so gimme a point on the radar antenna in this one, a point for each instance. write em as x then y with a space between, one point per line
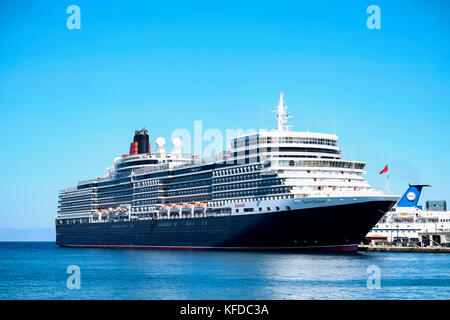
282 115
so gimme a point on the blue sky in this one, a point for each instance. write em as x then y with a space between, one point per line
70 100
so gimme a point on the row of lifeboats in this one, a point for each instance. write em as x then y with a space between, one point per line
123 211
183 205
120 210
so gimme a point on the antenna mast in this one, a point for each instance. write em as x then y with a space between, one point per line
282 115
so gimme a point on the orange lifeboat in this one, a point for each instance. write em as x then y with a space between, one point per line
200 204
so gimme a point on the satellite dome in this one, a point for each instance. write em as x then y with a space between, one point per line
176 146
177 142
160 142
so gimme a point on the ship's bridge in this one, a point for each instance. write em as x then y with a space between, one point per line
284 143
287 144
310 164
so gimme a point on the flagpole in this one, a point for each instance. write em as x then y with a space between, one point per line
387 184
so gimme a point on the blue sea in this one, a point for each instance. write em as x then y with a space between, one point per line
38 270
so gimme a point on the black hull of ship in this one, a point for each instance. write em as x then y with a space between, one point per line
333 228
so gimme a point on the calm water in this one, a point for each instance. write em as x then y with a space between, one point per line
38 271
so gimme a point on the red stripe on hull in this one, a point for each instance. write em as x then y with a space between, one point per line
342 248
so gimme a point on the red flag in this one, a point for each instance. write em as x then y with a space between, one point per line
384 170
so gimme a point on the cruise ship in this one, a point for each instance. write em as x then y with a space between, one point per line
270 190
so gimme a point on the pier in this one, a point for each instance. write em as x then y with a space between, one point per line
387 248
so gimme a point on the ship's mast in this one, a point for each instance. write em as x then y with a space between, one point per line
282 115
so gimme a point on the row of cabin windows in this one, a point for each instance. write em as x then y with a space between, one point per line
116 200
76 209
73 221
237 178
320 163
146 195
114 194
188 178
247 185
194 198
74 193
76 198
146 202
71 204
275 197
146 189
122 187
246 169
187 192
297 140
261 209
255 192
185 185
146 183
172 183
